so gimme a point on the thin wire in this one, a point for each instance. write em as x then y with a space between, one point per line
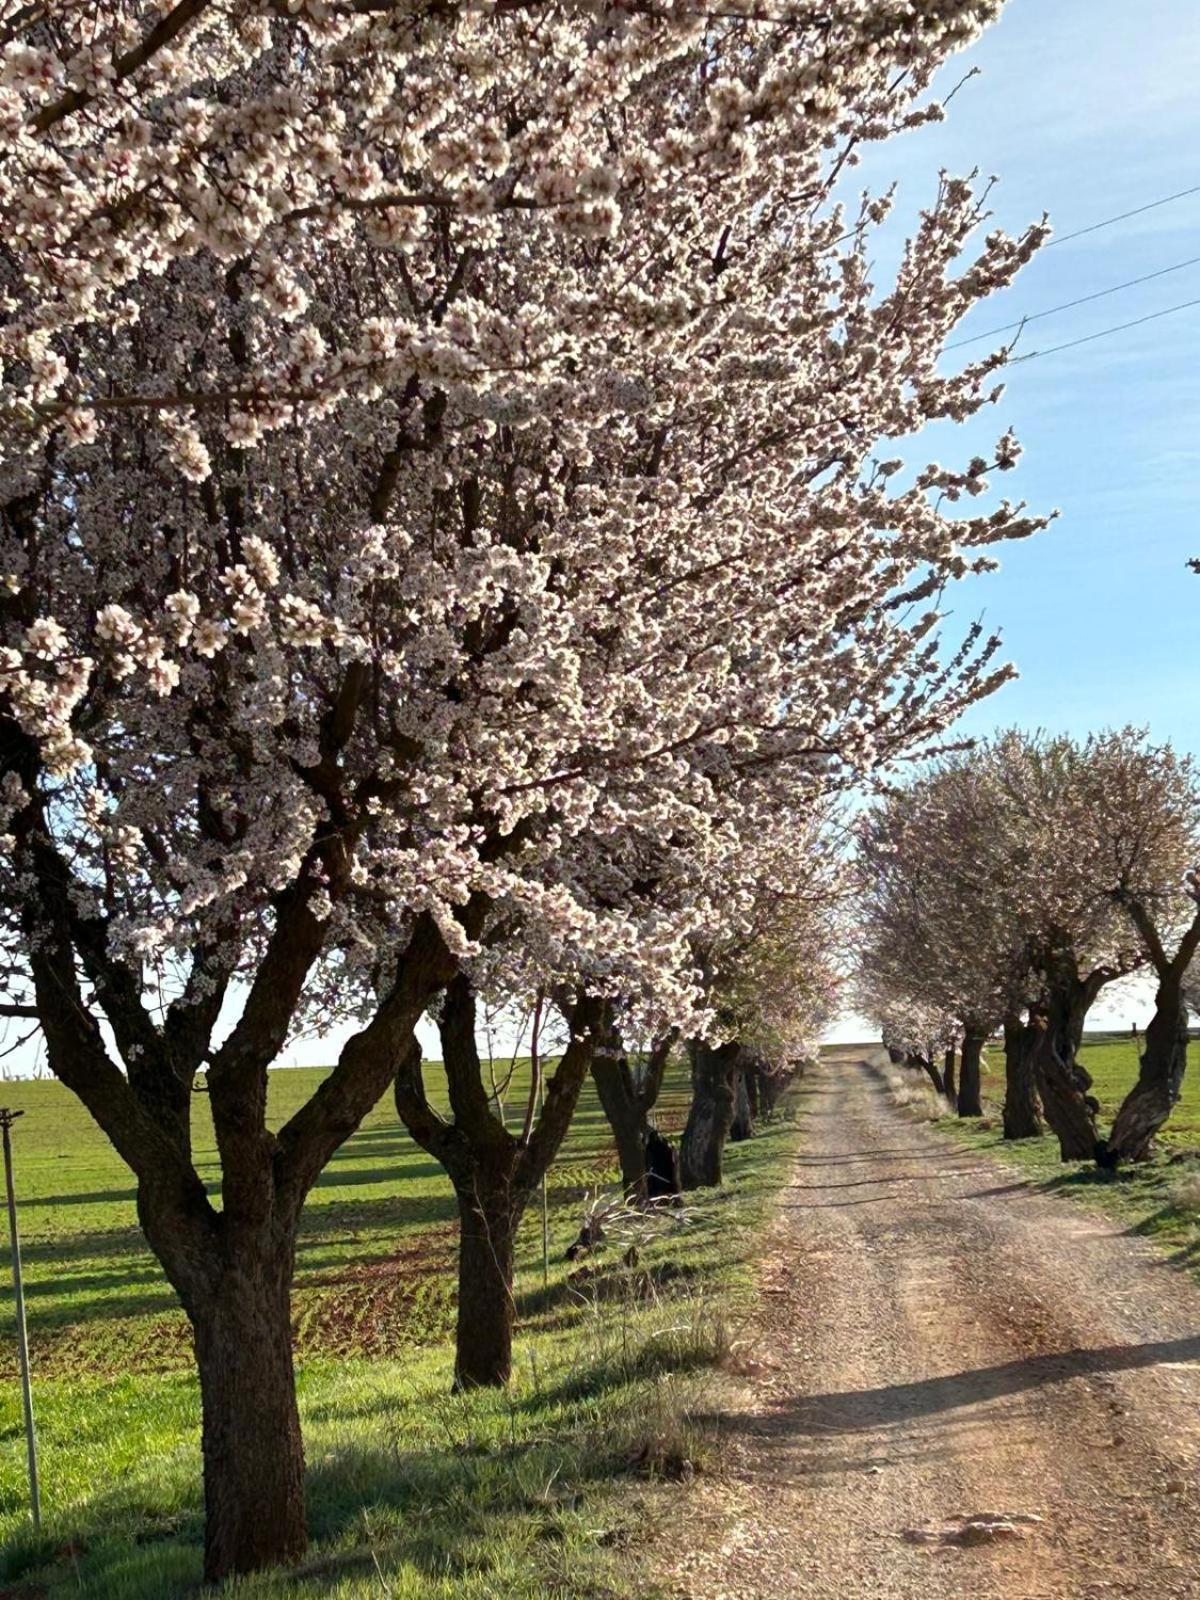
1104 332
1136 212
1083 299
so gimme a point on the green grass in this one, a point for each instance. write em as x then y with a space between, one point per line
378 1235
1159 1198
411 1492
1112 1060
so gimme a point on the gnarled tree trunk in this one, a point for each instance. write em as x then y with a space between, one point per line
231 1266
494 1172
232 1270
1022 1118
742 1126
711 1113
1062 1083
970 1103
1164 1057
1160 1077
949 1087
928 1066
771 1086
627 1099
618 1098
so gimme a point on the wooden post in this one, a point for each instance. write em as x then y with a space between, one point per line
7 1118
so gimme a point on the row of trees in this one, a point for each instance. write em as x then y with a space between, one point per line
770 986
448 558
1006 888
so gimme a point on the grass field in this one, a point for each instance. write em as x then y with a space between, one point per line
1159 1198
378 1235
1112 1060
411 1492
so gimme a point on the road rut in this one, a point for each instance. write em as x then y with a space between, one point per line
938 1339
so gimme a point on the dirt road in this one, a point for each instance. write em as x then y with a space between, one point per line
941 1341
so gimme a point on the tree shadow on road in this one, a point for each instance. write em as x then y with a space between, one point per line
853 1410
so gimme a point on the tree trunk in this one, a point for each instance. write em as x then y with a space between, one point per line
232 1267
742 1126
493 1172
489 1213
253 1452
710 1115
949 1088
628 1099
626 1118
926 1065
1022 1119
1160 1077
970 1103
770 1086
1063 1085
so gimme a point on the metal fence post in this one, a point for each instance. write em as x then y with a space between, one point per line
7 1118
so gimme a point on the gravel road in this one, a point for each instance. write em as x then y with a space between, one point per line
940 1341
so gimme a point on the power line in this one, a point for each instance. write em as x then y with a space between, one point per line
1181 194
1083 299
1104 332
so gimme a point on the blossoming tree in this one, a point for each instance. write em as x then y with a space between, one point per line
1025 876
433 434
939 912
771 974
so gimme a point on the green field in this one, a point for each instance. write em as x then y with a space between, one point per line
378 1236
1112 1060
1159 1198
412 1492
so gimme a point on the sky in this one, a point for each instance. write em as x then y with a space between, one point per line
1084 109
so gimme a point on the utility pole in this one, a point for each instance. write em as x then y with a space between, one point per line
7 1118
545 1209
535 1067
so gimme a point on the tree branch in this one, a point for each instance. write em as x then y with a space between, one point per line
164 32
366 1066
584 1016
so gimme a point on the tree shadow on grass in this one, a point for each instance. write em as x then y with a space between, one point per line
340 1171
93 1197
1093 1177
447 1508
75 1283
404 1170
606 1283
399 1210
1129 1181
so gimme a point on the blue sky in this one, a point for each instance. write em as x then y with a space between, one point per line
1087 108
